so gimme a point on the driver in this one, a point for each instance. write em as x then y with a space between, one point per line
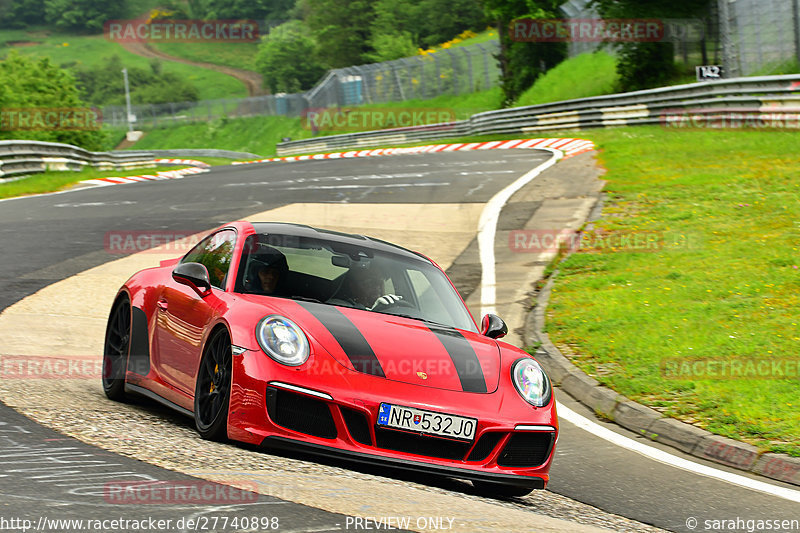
363 289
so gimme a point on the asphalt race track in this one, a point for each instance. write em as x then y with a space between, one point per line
50 238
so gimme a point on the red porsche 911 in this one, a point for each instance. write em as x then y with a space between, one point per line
283 335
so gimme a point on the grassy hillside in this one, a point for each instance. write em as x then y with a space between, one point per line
590 74
257 135
76 51
260 135
238 55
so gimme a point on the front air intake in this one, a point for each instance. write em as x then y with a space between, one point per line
300 413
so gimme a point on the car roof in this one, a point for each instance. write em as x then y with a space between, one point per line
302 230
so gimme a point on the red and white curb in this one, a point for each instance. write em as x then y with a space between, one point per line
162 175
192 162
570 147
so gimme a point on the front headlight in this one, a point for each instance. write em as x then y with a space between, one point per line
283 340
531 382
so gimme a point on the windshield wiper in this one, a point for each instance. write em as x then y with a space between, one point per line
306 299
427 321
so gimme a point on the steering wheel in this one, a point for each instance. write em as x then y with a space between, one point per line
396 303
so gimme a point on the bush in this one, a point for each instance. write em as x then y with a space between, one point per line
105 85
287 59
82 15
30 84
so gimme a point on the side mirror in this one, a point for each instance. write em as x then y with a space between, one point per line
493 326
194 275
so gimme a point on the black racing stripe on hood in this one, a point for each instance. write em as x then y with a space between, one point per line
464 358
348 336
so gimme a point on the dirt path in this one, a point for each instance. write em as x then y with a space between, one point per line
250 79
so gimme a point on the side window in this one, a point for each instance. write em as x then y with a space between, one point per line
215 252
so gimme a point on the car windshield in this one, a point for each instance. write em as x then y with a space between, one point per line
347 275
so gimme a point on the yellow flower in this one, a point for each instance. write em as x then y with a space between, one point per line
64 44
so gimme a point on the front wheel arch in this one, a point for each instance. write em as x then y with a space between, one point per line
116 348
213 385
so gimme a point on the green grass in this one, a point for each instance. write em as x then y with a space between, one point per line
52 181
582 76
260 135
257 135
91 51
773 69
732 295
238 55
483 37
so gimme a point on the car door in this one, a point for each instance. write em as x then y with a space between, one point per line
184 315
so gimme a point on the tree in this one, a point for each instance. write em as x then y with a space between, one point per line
20 13
441 20
248 9
522 62
341 28
426 22
34 87
82 15
389 46
648 64
286 59
104 85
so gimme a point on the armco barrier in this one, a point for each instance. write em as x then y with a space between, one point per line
767 95
28 157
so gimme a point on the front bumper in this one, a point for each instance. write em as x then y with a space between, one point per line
335 413
404 464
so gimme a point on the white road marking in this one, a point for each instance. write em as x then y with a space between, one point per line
365 186
661 456
329 178
96 204
487 228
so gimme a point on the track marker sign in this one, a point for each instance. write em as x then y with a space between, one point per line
709 72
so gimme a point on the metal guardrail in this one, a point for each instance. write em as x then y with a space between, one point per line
767 95
29 157
201 152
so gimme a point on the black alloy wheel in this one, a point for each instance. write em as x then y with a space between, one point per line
213 390
115 352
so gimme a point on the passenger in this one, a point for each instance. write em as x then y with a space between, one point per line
267 272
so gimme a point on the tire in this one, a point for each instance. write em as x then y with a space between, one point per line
213 389
495 490
116 348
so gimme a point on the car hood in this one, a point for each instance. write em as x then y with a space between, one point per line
403 349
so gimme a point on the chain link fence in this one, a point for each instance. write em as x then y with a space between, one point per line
457 70
759 36
749 37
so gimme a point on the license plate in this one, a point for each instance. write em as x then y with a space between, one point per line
430 422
